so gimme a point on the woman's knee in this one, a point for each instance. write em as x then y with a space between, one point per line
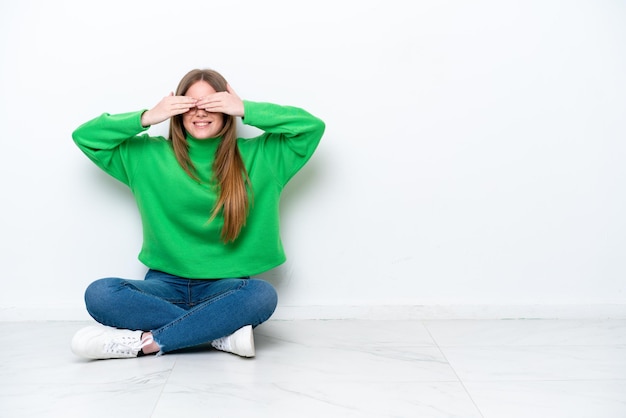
265 294
99 295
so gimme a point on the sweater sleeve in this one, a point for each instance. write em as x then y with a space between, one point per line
290 137
105 141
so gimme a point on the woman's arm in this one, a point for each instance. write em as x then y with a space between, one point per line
291 136
106 139
102 138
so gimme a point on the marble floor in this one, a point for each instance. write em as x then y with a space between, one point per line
334 368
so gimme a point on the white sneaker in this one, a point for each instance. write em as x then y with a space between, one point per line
102 342
241 342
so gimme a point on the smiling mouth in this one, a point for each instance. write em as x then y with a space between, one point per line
202 124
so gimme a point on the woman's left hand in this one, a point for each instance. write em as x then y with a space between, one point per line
222 102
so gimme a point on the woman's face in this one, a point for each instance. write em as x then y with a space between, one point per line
198 122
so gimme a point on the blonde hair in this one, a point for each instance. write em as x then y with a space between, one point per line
229 172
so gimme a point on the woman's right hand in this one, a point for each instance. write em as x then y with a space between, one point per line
169 106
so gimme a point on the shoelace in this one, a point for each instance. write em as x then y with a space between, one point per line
126 345
221 343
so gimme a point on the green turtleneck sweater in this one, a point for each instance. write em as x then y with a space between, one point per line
174 208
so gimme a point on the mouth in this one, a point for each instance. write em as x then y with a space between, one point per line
202 124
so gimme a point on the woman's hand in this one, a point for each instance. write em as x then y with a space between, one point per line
168 106
222 102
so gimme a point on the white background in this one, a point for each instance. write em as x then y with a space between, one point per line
474 151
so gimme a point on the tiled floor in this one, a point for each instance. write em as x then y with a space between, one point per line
348 368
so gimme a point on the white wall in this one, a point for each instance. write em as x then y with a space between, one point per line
474 152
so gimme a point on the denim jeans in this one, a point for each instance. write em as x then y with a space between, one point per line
180 312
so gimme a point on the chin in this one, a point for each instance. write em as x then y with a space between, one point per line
202 135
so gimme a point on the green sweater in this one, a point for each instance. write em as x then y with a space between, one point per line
174 208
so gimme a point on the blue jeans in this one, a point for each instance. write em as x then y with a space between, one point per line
180 312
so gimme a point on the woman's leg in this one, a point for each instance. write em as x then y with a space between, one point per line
217 308
136 304
180 312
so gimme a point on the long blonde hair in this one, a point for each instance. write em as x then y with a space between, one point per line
229 172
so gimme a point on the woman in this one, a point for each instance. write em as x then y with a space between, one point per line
209 208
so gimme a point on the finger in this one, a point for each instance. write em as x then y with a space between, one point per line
211 98
182 107
186 99
213 104
183 104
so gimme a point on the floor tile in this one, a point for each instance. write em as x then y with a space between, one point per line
341 368
528 332
301 398
278 360
351 333
553 399
537 362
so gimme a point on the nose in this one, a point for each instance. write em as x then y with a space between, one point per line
194 110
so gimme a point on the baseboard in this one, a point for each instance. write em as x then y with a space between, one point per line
372 312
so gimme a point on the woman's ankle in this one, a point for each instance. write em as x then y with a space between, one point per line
152 347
